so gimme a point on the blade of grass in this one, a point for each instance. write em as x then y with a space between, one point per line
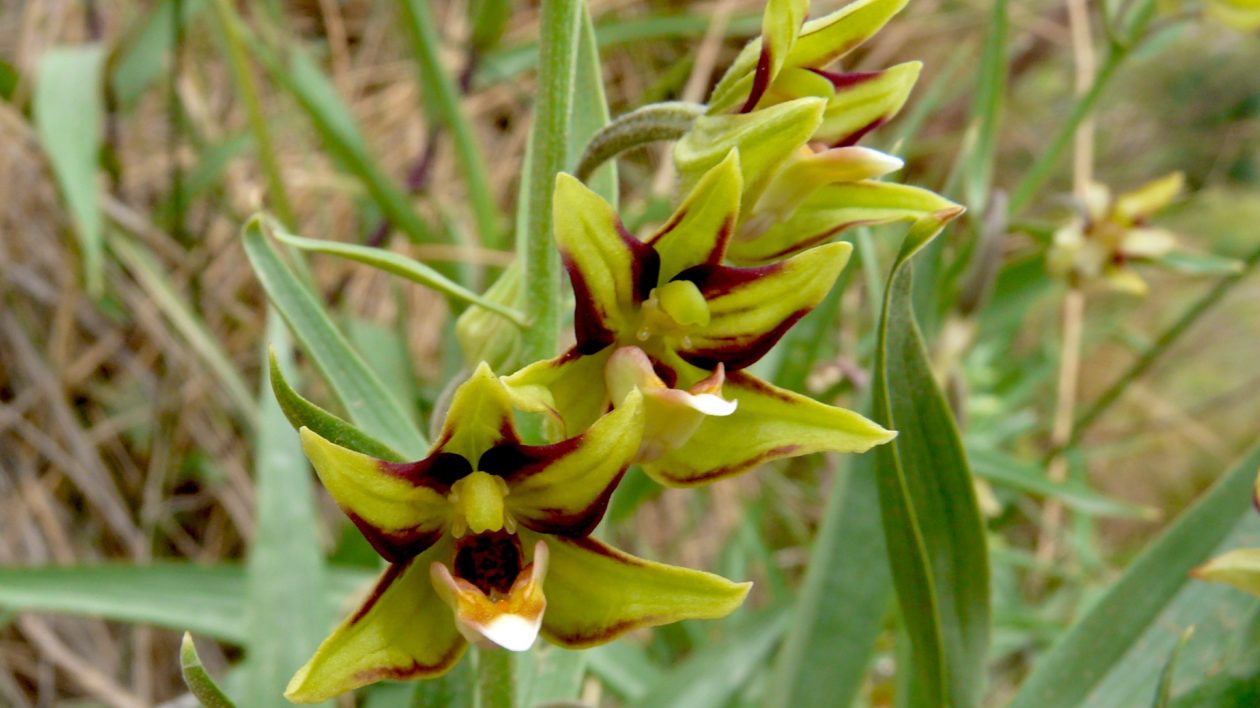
69 116
548 155
287 616
153 280
1000 468
624 668
1090 650
199 683
141 59
590 108
932 523
369 403
443 97
398 264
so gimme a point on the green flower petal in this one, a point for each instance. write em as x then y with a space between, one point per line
403 631
864 101
611 270
751 308
698 231
780 24
395 506
764 138
832 209
1239 568
828 38
569 389
564 488
596 593
770 423
479 418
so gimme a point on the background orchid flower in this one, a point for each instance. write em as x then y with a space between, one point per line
1243 15
806 180
1102 243
487 543
698 323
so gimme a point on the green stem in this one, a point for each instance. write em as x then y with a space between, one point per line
1046 162
229 24
1165 340
557 65
441 90
651 123
495 685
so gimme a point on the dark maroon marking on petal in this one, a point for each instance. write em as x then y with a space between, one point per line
607 634
853 138
715 254
646 264
747 380
744 352
577 524
588 322
848 79
666 372
416 669
820 237
391 574
490 561
729 470
761 80
437 472
717 280
395 546
670 225
515 461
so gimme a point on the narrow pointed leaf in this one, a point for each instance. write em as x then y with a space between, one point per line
932 522
197 679
369 403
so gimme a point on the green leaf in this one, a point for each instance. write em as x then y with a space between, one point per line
624 668
141 60
840 613
1115 649
400 265
590 108
199 683
1163 695
206 600
1003 469
549 674
69 115
932 523
285 608
370 405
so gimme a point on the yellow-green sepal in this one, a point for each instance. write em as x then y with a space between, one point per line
568 389
862 102
769 423
700 228
596 593
764 138
479 418
402 631
826 39
831 209
751 308
399 516
565 487
610 270
1239 568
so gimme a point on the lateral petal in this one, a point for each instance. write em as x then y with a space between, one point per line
864 101
770 423
611 271
400 508
751 308
403 631
564 488
568 389
596 593
698 231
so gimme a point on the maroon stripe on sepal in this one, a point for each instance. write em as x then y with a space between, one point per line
437 472
578 524
717 280
395 546
741 352
852 138
646 266
588 322
761 80
844 80
391 574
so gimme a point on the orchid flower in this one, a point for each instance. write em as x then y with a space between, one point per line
796 124
487 542
664 317
1102 243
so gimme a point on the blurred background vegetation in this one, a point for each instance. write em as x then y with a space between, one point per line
127 411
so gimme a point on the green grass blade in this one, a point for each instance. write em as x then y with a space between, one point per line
369 403
69 117
840 613
443 97
142 58
398 264
153 280
624 668
317 97
932 523
1000 468
1093 651
986 112
208 601
199 683
590 109
285 608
